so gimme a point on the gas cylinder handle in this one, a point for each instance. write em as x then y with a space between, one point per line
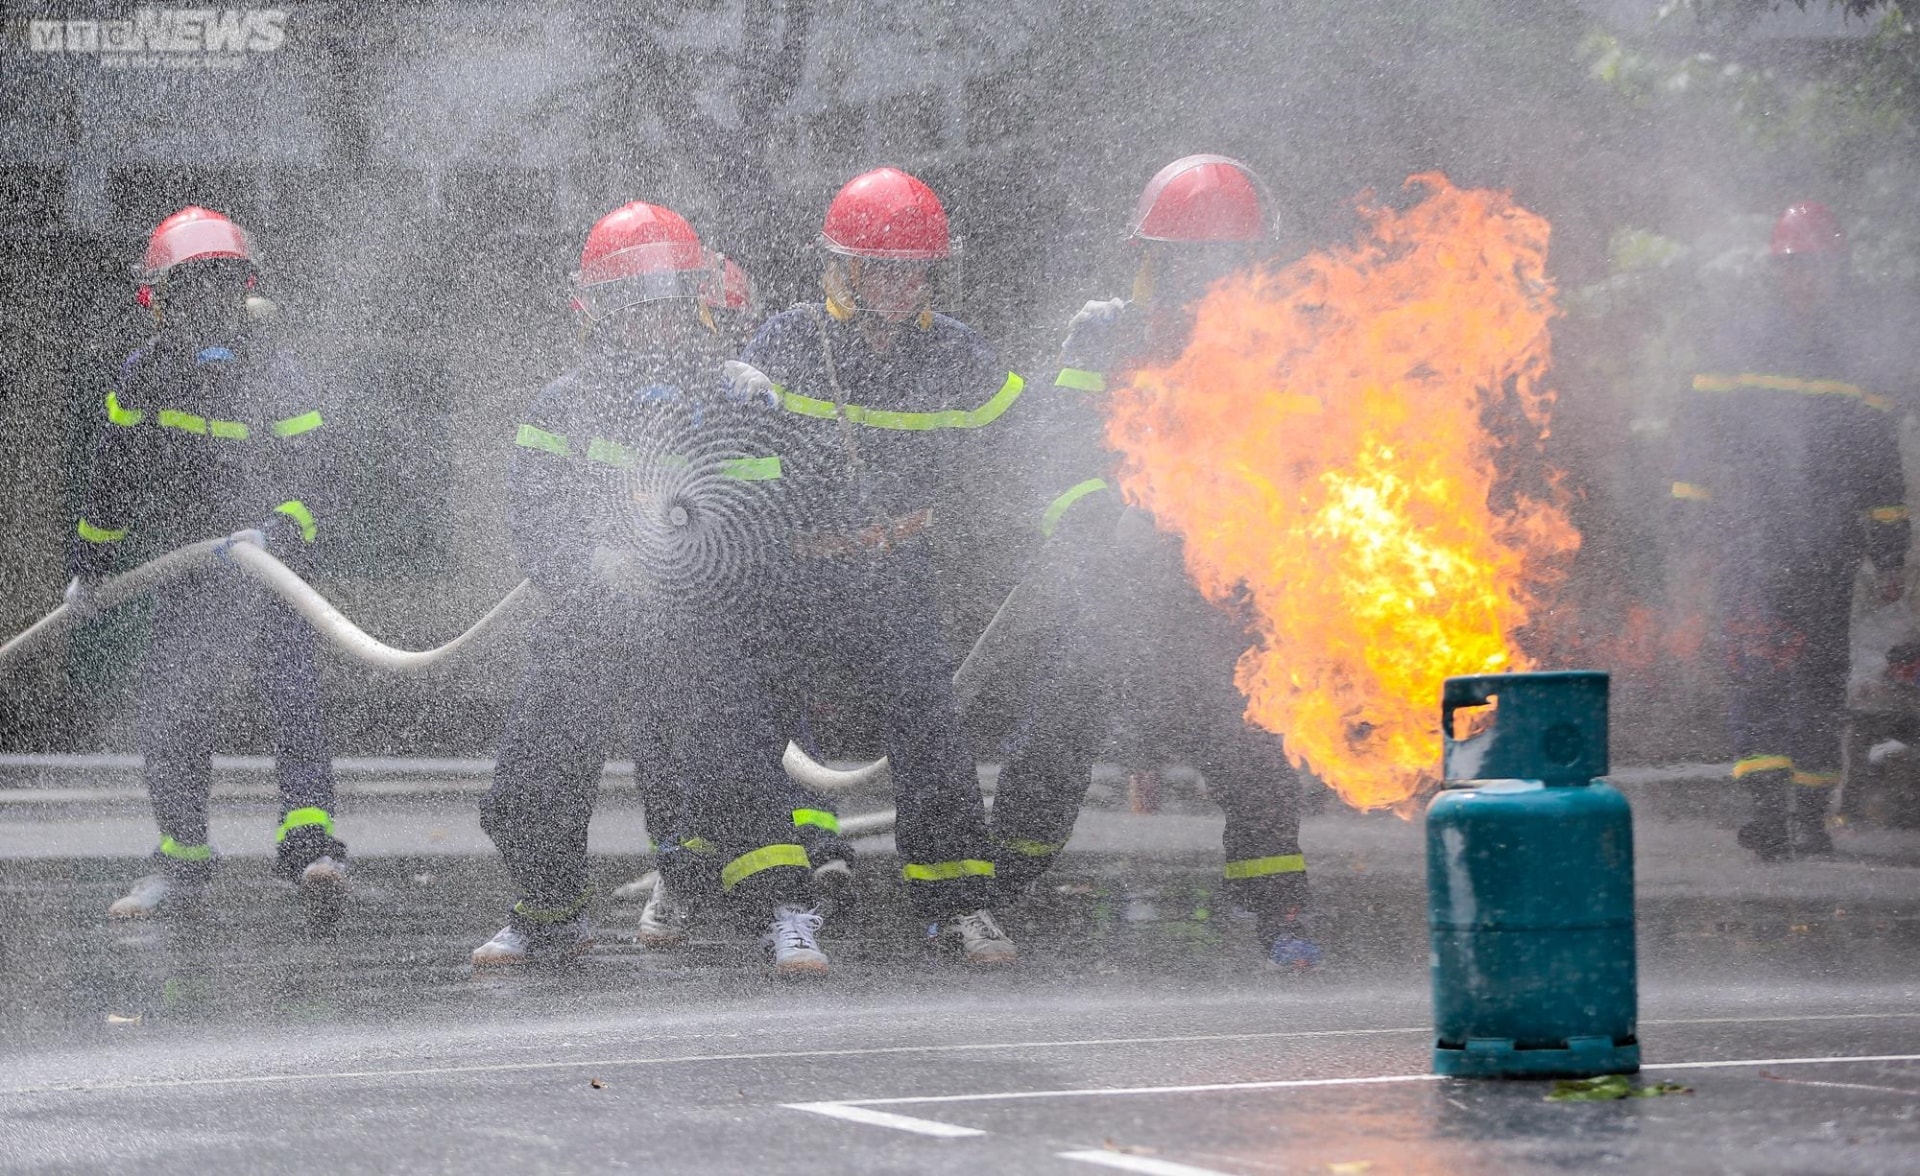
1469 691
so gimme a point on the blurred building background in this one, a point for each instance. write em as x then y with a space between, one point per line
419 177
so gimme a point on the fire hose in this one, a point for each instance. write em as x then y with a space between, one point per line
340 632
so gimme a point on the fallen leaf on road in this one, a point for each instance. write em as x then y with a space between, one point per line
1609 1088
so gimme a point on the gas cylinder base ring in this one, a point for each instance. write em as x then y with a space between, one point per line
1499 1057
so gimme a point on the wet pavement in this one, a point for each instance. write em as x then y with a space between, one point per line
1137 1033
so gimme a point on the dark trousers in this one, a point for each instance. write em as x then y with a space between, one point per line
600 671
205 629
876 612
1132 634
1785 637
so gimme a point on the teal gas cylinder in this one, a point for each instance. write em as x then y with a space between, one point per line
1530 886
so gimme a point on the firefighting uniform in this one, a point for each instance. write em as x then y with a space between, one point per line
1134 636
878 440
196 441
609 660
1788 477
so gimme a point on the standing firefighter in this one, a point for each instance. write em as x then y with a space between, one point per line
593 490
1128 629
210 429
884 399
1790 477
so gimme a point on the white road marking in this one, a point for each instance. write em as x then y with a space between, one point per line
1781 1062
1842 1085
1130 1163
772 1055
1305 1083
885 1119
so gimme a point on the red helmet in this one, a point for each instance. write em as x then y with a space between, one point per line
193 234
1809 227
887 215
639 253
1201 198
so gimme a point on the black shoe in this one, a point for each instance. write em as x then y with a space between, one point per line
1810 836
303 847
1766 839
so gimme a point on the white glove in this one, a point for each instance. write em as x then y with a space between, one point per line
253 535
747 384
1100 313
78 592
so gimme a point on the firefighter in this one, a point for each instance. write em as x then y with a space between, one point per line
1129 631
585 494
211 429
1789 478
882 397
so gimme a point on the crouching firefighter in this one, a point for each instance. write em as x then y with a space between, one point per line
884 398
611 648
1789 479
210 429
1127 629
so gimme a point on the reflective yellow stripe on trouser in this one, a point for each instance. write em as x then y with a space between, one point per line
818 818
767 857
185 853
946 871
302 817
1815 779
1027 848
1286 863
93 534
554 914
1762 763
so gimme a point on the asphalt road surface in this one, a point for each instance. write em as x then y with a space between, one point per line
1137 1034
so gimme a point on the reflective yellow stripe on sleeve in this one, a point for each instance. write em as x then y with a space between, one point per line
126 418
946 871
1058 508
186 422
231 430
817 818
767 857
306 422
1888 514
532 437
1762 763
298 512
601 450
1692 492
1286 863
752 469
300 818
886 418
1770 382
1081 380
1815 779
93 534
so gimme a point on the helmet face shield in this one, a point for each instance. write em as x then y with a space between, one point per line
641 274
894 289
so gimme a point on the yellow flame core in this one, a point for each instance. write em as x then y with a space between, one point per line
1322 442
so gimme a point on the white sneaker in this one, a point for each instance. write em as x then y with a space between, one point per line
638 888
145 898
513 946
790 942
982 941
664 920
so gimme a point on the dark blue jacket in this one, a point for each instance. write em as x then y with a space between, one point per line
194 442
1788 452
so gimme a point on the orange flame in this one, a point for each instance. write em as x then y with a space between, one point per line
1321 445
